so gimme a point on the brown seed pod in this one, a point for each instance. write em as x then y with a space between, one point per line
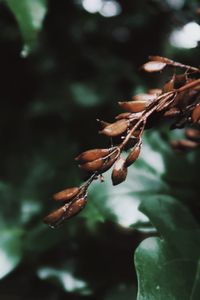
119 172
192 134
91 155
156 92
161 59
169 86
102 123
144 97
180 80
66 194
75 207
196 114
133 155
109 161
172 112
115 128
92 166
55 217
125 115
154 66
134 106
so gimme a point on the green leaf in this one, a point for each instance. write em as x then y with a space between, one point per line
167 266
10 250
29 15
161 273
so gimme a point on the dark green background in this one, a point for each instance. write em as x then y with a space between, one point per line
81 65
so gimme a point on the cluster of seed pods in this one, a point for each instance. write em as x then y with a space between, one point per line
178 100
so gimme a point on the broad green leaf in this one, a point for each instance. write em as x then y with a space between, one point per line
10 250
29 15
167 266
162 274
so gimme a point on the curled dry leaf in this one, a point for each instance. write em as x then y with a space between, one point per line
134 106
196 114
66 194
91 155
115 128
119 172
133 155
154 66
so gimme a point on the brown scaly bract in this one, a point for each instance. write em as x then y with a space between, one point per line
178 100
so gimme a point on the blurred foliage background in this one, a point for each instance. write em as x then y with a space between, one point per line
63 64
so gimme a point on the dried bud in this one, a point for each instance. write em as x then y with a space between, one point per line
75 207
156 92
116 128
180 79
169 86
144 97
92 166
110 160
119 172
134 106
133 155
66 194
161 59
196 114
91 155
154 66
193 134
102 123
125 115
172 112
56 217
